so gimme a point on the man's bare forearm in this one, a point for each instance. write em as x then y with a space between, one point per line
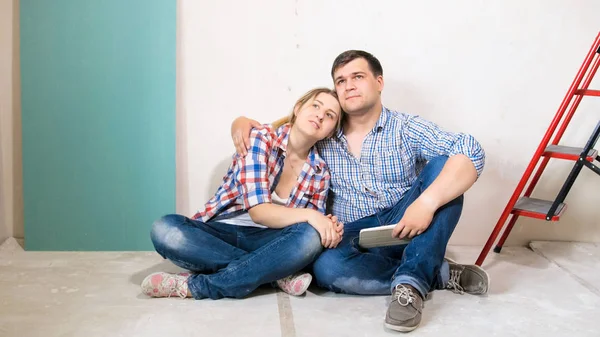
457 176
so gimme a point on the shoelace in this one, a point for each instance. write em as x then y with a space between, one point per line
285 283
403 293
454 282
177 285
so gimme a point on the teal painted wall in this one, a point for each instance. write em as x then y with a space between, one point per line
98 116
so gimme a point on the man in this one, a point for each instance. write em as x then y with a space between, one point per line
392 168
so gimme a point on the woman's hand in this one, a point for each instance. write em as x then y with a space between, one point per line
328 229
339 225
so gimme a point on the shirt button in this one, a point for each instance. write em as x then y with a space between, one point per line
370 192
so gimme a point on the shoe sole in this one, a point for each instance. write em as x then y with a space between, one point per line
305 288
489 279
400 328
302 290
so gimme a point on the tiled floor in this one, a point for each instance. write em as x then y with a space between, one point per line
550 291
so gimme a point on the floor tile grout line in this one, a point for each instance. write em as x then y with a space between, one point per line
577 278
286 316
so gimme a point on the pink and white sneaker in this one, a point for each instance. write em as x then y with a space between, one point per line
295 284
166 285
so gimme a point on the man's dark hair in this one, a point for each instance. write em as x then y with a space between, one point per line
351 55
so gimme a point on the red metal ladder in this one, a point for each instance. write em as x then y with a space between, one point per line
551 210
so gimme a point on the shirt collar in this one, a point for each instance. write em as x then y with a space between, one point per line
381 122
383 118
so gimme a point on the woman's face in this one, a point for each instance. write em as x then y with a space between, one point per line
319 116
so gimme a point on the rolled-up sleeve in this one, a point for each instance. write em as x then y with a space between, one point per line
428 140
319 199
252 176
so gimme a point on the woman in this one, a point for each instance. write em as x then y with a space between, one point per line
265 222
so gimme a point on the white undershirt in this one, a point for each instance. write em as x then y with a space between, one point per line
244 219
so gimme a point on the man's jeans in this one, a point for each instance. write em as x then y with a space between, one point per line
232 261
376 271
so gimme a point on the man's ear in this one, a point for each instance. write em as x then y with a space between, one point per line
380 82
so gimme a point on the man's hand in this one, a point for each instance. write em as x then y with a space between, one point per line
240 133
416 219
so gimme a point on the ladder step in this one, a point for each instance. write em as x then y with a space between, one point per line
587 92
537 208
568 152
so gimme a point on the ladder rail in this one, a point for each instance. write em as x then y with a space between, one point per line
565 189
595 49
592 167
591 143
575 171
586 83
567 120
509 227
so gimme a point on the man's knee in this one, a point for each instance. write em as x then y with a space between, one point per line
339 270
327 268
434 166
460 199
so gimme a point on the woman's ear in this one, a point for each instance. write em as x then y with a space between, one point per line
297 108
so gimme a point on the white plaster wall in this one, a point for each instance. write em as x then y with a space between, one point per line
497 70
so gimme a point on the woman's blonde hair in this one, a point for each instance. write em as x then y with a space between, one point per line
311 94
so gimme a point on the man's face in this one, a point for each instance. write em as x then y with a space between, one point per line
358 89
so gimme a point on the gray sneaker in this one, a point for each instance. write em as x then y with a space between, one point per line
470 279
404 312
